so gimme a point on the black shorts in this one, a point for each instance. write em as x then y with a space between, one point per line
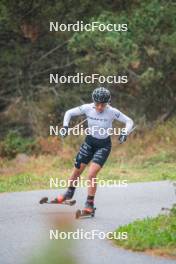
93 149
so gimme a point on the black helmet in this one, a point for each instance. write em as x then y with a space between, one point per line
101 95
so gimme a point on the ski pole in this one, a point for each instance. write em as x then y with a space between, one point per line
70 129
134 128
82 122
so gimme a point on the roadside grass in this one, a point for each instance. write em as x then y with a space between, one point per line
146 156
34 174
155 236
37 172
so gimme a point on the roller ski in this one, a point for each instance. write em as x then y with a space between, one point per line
61 199
88 211
45 200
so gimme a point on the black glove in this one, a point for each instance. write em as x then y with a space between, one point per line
64 131
122 138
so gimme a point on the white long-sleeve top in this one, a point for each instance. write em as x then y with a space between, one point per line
99 120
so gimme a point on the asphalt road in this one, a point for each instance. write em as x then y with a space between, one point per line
25 224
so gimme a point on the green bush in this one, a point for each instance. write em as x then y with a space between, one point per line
14 143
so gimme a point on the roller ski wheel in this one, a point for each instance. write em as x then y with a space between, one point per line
58 200
85 213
